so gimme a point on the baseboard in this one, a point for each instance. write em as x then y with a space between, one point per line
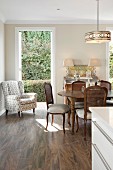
2 112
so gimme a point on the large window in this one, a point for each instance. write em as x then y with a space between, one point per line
29 63
36 55
110 59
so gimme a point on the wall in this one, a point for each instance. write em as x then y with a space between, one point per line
2 71
69 40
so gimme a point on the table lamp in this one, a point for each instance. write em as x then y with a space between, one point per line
68 63
95 62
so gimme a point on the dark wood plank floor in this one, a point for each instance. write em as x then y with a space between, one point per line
25 145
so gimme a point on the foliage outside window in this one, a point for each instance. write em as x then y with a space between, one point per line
36 60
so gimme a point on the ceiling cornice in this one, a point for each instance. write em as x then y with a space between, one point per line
79 21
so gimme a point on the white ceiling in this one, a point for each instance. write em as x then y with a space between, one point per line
46 11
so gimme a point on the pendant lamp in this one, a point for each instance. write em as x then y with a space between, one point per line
98 36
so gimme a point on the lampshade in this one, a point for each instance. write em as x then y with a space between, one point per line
94 62
68 62
98 36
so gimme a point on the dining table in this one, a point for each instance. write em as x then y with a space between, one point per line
73 95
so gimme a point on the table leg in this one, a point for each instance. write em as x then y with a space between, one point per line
73 113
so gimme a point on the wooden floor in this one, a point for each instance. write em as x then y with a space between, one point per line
25 145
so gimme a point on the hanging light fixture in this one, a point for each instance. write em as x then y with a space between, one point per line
98 36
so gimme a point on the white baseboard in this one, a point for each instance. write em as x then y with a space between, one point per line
2 112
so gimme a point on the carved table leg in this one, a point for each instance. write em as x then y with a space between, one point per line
73 113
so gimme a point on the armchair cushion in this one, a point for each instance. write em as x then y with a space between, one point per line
27 100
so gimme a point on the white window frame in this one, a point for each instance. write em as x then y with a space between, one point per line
17 53
107 56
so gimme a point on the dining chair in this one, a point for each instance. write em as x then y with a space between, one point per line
104 83
79 86
107 84
79 103
54 109
94 96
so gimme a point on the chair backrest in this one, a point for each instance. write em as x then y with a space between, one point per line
68 87
94 96
106 84
48 94
12 87
77 85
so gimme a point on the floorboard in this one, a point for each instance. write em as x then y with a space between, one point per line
25 145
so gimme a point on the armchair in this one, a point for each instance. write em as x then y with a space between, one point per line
15 98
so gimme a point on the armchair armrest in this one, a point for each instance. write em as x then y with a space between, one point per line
29 95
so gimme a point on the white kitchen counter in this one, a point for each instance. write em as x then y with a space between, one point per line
105 114
102 138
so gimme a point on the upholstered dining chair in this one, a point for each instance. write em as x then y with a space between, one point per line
107 84
79 103
54 109
104 83
94 96
15 98
79 86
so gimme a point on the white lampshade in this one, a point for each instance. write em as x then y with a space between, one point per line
68 62
94 62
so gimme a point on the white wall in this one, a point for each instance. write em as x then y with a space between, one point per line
2 71
69 44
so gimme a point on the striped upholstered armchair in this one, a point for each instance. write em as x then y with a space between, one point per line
15 98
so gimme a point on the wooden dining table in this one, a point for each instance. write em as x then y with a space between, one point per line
73 95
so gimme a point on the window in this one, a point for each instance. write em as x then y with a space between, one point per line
18 64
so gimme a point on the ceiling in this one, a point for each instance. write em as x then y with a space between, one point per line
55 11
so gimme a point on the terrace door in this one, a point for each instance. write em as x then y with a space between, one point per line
36 59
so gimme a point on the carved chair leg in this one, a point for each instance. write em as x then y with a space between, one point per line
69 119
33 110
85 122
19 114
6 112
52 119
64 123
47 120
77 123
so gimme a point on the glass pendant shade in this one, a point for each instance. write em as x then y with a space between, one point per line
98 36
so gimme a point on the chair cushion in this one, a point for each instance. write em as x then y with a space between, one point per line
80 113
109 102
27 100
58 108
79 105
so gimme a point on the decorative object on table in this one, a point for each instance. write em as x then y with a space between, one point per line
77 76
68 63
98 36
88 76
15 98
